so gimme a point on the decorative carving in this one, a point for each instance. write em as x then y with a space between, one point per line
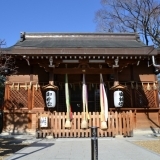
116 63
51 62
83 65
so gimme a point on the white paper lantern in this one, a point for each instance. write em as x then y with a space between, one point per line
50 99
118 98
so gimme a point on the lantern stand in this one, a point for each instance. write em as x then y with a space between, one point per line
118 94
50 95
50 88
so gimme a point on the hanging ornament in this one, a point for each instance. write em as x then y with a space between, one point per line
143 86
118 98
30 85
50 98
50 94
84 123
26 87
18 87
148 87
118 94
36 86
12 87
103 104
68 122
154 86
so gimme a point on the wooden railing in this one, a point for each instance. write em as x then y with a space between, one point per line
119 123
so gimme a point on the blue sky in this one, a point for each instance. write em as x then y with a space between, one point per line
46 16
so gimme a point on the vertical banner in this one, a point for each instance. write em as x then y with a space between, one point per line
103 104
84 123
69 114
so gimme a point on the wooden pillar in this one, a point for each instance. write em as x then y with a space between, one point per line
29 108
6 92
30 100
156 98
132 90
6 96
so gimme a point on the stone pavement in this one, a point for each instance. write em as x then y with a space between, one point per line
80 149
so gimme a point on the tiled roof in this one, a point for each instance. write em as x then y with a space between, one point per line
79 40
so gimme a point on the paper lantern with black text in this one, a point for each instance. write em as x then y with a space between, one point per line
118 98
50 99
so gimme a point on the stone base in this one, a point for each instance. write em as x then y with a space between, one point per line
119 136
49 137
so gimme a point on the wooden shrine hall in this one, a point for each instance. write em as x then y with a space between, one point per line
68 82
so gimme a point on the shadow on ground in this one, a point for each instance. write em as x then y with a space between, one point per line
8 146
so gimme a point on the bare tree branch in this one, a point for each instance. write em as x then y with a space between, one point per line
7 62
141 16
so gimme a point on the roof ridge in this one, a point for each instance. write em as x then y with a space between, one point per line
29 35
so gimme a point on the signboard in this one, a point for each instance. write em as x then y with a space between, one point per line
44 122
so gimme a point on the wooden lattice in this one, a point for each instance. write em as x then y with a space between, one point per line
38 99
150 97
18 98
127 97
144 97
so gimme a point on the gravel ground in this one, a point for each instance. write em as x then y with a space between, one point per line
152 145
10 146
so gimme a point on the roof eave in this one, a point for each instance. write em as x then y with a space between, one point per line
148 50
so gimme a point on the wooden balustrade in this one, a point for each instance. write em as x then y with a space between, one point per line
119 123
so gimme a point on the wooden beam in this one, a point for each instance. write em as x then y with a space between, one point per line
84 51
30 108
81 71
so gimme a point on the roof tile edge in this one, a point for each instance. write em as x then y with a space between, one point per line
27 35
